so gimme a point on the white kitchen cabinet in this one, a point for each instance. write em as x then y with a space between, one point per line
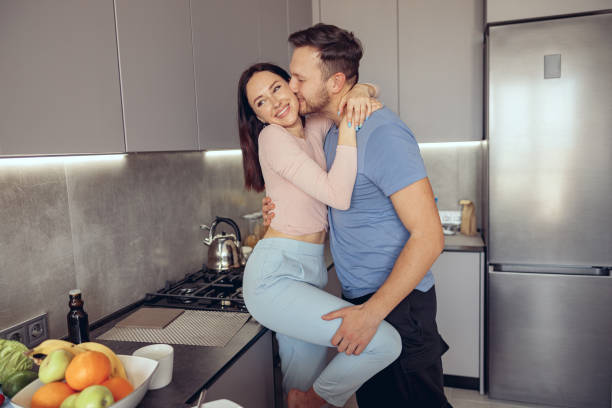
228 36
459 289
504 10
273 32
157 76
225 42
89 77
59 78
426 56
375 24
278 19
249 381
441 68
300 15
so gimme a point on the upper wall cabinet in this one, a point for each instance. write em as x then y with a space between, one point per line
426 56
300 15
441 68
229 36
375 24
225 42
157 75
59 79
146 75
504 10
273 31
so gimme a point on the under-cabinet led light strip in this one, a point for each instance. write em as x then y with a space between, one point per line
35 161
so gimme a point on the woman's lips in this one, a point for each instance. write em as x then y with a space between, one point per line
283 112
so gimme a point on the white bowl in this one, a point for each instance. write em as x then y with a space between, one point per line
139 371
222 403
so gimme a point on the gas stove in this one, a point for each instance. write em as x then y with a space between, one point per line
203 290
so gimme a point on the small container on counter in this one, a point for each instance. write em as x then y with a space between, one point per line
256 229
468 218
78 321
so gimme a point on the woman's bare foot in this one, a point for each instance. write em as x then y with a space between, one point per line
301 399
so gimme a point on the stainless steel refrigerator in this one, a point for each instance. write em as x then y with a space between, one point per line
549 131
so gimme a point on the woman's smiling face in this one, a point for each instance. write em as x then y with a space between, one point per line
272 100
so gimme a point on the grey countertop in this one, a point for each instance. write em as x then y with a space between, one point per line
463 243
195 367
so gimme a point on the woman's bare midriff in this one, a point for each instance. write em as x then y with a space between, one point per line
314 238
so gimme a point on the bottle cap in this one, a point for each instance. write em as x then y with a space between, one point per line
74 292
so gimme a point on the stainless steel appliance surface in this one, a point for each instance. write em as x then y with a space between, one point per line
203 290
549 131
224 251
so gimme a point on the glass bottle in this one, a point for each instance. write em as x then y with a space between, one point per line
78 322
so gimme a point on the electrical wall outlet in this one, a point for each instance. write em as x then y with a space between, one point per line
37 330
31 332
17 333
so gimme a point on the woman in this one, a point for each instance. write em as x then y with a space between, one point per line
284 277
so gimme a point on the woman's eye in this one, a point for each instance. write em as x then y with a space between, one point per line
276 88
259 103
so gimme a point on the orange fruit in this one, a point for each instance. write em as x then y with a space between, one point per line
51 395
88 368
120 387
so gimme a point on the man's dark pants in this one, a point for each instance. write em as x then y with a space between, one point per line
414 380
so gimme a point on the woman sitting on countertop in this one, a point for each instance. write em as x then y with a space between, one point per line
285 274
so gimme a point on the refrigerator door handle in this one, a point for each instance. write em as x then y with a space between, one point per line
560 270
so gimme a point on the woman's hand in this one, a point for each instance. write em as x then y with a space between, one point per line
267 210
347 134
358 104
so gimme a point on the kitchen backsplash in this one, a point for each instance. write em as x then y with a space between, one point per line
455 171
117 229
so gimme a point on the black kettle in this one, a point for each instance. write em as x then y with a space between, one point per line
224 250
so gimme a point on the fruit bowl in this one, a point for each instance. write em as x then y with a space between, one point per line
139 371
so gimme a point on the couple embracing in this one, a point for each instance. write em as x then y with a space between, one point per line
331 158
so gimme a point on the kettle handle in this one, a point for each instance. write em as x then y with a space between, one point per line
227 221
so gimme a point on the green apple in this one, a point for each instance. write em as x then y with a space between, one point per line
70 401
94 396
54 366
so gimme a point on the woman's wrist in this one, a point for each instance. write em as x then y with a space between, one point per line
370 89
347 140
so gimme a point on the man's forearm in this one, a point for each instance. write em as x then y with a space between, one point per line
415 259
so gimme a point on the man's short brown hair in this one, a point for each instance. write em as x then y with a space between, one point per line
339 50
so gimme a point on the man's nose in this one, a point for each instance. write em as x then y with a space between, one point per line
293 85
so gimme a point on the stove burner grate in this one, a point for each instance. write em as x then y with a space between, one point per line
203 290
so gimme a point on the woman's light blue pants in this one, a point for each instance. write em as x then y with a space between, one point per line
282 286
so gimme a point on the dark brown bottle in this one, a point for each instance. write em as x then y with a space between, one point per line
78 322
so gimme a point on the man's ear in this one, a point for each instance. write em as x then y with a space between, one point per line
336 82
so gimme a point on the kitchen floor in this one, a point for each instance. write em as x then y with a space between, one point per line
460 398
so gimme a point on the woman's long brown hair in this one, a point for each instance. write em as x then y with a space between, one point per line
249 126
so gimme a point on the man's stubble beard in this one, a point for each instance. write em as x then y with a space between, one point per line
317 105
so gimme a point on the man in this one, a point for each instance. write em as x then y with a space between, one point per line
385 244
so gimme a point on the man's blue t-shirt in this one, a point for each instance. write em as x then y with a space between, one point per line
367 238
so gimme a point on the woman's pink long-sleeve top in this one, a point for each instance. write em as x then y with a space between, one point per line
296 179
